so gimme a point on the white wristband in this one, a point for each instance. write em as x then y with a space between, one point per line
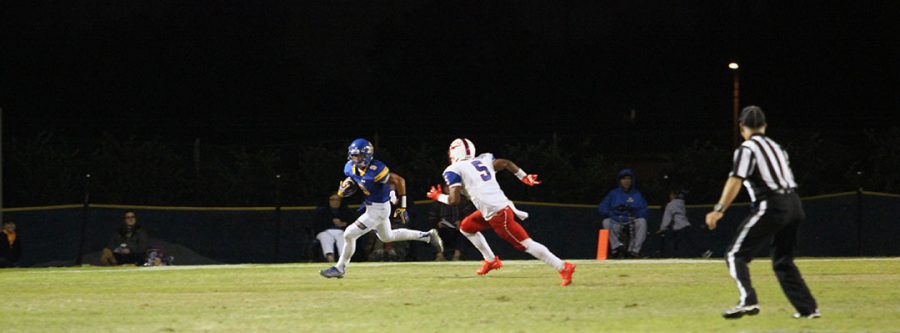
521 174
403 201
443 198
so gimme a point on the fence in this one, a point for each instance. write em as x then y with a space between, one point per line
842 224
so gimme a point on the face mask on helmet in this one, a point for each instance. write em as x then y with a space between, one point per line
461 150
360 152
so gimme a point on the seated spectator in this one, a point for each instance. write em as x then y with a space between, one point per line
446 219
625 206
10 246
331 220
126 246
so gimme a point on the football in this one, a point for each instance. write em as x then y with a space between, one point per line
347 187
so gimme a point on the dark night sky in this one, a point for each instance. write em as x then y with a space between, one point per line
264 72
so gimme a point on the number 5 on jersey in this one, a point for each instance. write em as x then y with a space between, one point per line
485 173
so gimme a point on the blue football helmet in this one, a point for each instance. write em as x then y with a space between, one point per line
362 148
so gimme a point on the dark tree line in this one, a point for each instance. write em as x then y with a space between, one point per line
45 169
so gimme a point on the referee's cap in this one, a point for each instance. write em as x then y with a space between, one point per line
753 117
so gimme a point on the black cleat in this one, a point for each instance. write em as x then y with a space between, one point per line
740 311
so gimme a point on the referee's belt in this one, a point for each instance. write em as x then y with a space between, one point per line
784 191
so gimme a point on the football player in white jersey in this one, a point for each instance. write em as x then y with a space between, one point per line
475 177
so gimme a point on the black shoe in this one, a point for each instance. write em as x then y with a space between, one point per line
634 255
740 311
619 252
813 315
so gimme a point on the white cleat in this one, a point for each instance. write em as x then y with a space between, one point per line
436 241
740 311
814 315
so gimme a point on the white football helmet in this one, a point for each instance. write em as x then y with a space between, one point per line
461 150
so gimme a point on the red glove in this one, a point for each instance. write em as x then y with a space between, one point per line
530 180
434 192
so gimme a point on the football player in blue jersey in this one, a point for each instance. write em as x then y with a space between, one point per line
374 179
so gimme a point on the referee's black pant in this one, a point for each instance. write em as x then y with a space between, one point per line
774 222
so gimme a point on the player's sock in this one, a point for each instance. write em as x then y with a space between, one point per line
350 235
540 251
481 244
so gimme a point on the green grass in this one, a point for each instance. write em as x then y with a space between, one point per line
524 296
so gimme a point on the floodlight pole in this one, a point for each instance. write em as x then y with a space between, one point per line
736 104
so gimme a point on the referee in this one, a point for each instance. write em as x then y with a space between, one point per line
762 166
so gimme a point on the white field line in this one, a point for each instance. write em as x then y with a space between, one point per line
717 261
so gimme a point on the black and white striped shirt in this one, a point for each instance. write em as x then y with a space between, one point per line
764 167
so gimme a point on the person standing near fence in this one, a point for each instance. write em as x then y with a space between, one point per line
776 213
675 216
446 219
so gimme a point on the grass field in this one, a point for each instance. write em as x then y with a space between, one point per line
616 296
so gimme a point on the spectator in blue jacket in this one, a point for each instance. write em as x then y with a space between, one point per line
623 206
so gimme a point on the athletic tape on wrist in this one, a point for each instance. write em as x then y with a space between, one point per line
443 198
521 174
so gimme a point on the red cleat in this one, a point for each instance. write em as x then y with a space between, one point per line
566 274
488 266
